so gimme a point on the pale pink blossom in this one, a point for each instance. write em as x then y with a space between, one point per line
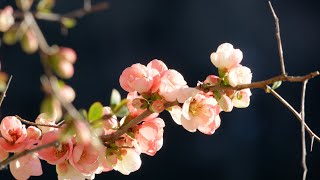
136 78
67 172
226 57
6 18
198 111
176 112
157 69
33 137
149 136
171 82
26 166
225 103
65 69
212 127
55 155
67 93
130 161
158 65
3 154
241 98
85 159
239 75
43 118
13 134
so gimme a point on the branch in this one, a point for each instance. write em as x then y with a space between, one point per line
6 162
298 116
303 133
261 84
3 95
276 21
73 14
37 124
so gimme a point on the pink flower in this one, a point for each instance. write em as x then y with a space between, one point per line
130 161
55 155
198 112
212 127
241 98
239 75
157 68
26 166
67 93
171 82
212 80
44 119
13 134
85 159
33 136
149 136
3 154
136 78
225 103
66 171
6 18
226 57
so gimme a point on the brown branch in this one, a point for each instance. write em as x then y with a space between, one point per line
36 124
295 113
73 14
261 84
6 162
303 133
3 95
277 28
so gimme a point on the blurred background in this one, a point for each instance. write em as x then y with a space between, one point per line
260 142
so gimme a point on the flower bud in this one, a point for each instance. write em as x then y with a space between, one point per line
63 69
140 103
24 4
212 80
29 42
67 54
157 106
6 18
10 36
67 93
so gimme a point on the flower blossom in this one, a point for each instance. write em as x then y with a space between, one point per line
241 98
226 57
149 135
130 161
6 18
13 134
26 166
239 75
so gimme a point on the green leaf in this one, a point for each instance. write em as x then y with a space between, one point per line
122 111
68 22
95 112
276 85
115 98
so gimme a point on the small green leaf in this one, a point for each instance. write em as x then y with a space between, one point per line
123 111
68 22
95 112
276 84
115 98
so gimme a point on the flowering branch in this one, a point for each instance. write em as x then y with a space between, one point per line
36 124
5 163
261 84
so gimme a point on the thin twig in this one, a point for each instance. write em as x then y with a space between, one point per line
73 14
36 124
262 84
303 133
6 162
3 95
276 21
295 113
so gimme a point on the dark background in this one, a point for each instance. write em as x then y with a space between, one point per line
260 142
